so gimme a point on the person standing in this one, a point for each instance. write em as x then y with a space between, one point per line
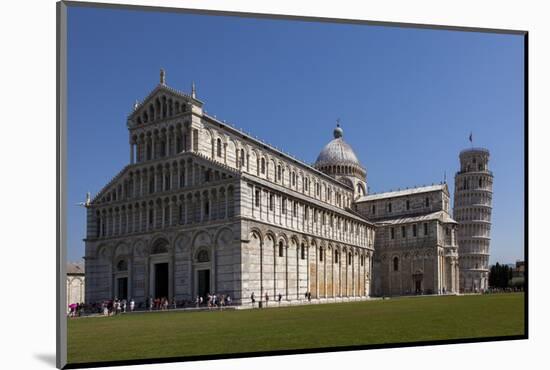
280 298
252 299
132 305
266 299
228 300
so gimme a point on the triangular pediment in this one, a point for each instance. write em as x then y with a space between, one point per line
116 185
161 103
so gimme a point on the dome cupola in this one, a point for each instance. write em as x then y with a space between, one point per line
337 153
337 159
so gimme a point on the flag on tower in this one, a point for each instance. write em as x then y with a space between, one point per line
471 137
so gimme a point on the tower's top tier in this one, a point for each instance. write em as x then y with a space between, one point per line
474 160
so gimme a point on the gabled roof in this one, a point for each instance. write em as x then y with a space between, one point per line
110 183
442 216
166 89
404 192
221 166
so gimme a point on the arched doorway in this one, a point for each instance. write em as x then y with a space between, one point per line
203 273
418 276
160 270
121 279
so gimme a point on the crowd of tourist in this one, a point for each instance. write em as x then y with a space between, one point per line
161 304
119 306
279 298
211 301
214 301
76 309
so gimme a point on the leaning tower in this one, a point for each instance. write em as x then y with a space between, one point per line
472 210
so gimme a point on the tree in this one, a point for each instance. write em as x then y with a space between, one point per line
500 276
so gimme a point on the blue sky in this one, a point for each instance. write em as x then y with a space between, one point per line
407 98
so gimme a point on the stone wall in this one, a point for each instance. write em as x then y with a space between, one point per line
392 207
430 259
415 244
220 240
279 261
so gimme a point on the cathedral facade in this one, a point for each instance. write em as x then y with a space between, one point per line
203 207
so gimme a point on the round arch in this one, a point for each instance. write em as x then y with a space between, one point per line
160 246
255 232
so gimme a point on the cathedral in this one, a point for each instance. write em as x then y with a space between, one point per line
203 207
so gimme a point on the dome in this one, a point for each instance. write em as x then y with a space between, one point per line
337 152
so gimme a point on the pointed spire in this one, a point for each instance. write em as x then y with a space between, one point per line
193 90
162 77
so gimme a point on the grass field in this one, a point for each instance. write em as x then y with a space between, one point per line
169 334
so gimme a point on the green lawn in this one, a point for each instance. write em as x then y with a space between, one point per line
168 334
